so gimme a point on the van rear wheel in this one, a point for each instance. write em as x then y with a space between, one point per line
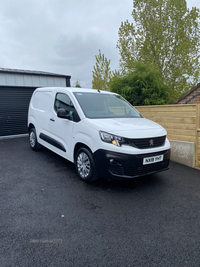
85 165
33 140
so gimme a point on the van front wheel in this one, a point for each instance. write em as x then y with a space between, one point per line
85 165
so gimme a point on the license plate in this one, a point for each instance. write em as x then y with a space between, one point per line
152 159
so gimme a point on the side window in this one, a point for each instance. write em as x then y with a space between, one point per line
74 113
63 101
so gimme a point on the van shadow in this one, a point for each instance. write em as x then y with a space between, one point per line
139 183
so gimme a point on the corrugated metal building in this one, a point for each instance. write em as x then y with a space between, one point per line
16 88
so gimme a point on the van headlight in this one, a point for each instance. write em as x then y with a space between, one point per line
111 139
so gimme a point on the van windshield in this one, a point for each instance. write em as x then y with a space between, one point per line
100 105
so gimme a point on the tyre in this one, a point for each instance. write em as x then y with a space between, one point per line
85 165
33 140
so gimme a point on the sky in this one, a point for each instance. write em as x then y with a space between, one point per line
62 36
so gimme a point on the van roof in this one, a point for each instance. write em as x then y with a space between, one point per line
72 89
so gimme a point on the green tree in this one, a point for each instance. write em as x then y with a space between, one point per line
143 86
164 34
101 73
77 84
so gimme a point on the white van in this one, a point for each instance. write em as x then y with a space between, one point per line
99 131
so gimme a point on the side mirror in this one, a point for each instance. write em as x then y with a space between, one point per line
61 113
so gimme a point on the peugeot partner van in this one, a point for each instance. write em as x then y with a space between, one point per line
99 131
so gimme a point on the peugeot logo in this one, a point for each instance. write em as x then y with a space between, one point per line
151 142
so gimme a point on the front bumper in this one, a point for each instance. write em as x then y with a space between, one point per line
112 165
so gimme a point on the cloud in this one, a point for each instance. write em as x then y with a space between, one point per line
61 36
78 55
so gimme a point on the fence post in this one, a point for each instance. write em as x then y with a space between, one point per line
197 143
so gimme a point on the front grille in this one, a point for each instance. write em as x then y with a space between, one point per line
147 142
150 168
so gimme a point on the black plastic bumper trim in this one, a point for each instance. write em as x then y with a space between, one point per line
112 165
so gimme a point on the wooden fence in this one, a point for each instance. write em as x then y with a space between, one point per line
182 122
198 148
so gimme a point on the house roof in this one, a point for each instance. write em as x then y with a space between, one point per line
188 93
32 72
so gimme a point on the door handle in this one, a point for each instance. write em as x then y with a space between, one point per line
52 119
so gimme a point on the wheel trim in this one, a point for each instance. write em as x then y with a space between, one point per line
83 165
32 139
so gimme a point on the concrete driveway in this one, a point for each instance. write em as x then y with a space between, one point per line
48 217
